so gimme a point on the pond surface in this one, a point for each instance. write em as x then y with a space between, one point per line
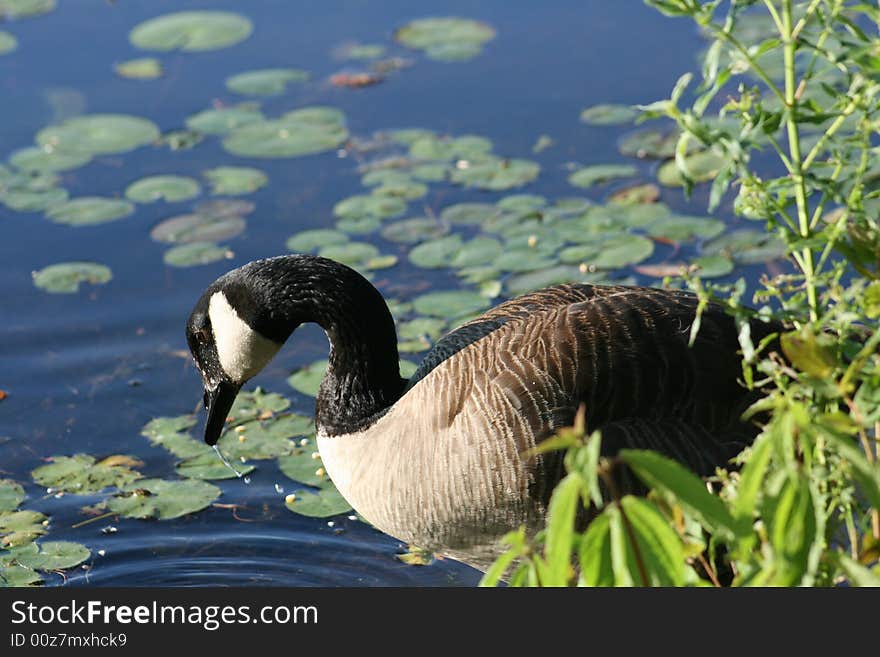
85 371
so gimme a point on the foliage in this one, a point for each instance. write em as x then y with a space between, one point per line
798 81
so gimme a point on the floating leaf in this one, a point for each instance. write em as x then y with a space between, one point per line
209 466
167 188
477 251
303 468
465 147
360 206
449 304
265 82
65 277
700 167
89 210
191 31
224 120
18 575
468 213
11 495
99 134
447 38
520 260
435 253
144 68
324 503
18 9
308 379
21 527
649 143
712 266
189 228
746 246
195 253
48 556
41 160
681 228
308 241
235 180
609 114
162 499
599 173
635 195
522 203
496 174
412 231
82 475
353 254
301 132
31 195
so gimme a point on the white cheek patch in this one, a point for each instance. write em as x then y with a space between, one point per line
241 350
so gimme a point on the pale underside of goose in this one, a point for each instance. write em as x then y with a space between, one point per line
438 461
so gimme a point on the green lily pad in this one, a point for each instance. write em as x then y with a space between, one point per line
522 203
362 51
180 140
235 180
162 426
8 43
746 246
622 251
609 114
600 173
188 228
353 254
225 207
21 527
308 379
684 228
469 213
496 174
265 82
406 189
144 68
324 503
11 495
95 134
655 143
41 160
541 278
449 304
48 556
65 277
308 241
26 200
18 575
700 166
224 120
465 147
476 251
303 468
209 466
713 266
365 206
89 210
430 172
253 440
446 38
82 475
162 499
359 225
302 132
18 9
167 188
195 253
436 253
635 195
412 231
191 31
520 260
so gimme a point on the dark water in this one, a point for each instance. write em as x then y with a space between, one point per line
85 371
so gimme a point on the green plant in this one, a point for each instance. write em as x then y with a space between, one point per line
796 83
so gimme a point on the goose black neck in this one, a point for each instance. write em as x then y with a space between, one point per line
363 379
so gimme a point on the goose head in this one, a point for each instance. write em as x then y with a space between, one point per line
244 318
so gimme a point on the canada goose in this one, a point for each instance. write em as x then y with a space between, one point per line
437 460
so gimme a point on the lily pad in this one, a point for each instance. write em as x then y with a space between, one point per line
713 266
465 147
162 499
412 231
540 278
469 213
303 468
684 228
40 160
195 253
301 132
82 474
635 195
33 200
235 180
144 68
362 206
522 203
622 251
520 260
700 166
445 38
65 277
11 495
89 210
746 246
167 188
224 120
188 228
21 527
18 9
99 134
450 304
353 254
48 556
191 31
308 241
308 379
609 114
265 82
8 43
18 575
324 503
209 466
654 143
496 174
600 173
436 253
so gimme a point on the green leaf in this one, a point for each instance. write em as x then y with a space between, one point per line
235 180
658 544
65 277
809 353
661 472
624 570
144 68
599 173
11 495
856 573
191 31
21 527
163 500
195 253
89 210
752 476
561 514
95 134
324 503
51 555
594 555
265 82
792 530
165 188
445 38
83 475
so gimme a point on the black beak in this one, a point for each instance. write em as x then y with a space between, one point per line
218 402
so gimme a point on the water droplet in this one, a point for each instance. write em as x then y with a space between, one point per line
109 529
227 463
279 489
101 553
247 480
330 523
352 517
